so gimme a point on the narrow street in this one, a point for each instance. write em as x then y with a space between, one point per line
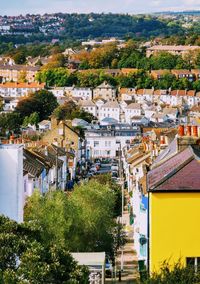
127 256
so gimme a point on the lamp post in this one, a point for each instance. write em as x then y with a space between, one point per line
122 188
121 178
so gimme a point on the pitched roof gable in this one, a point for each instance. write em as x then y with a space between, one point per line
169 168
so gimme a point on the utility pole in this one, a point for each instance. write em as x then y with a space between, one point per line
121 177
122 188
56 168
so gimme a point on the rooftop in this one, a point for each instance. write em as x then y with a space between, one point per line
180 172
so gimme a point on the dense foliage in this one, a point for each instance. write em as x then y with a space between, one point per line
84 220
69 110
41 102
139 79
83 26
26 258
176 275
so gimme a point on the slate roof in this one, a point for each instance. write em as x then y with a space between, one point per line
111 104
133 106
186 179
166 154
32 164
180 172
87 103
105 85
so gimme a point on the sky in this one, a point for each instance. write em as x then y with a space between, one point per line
16 7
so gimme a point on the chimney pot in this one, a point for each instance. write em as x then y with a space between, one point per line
181 130
162 140
188 130
195 130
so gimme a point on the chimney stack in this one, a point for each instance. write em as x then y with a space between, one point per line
195 130
162 140
188 130
181 130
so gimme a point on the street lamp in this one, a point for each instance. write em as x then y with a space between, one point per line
122 188
121 177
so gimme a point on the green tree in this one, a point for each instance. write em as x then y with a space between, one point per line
24 258
19 57
33 119
56 77
82 221
10 122
70 110
165 82
163 60
178 274
41 102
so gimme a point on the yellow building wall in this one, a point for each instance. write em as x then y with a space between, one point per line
174 227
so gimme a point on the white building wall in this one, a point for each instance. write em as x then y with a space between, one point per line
129 113
91 109
83 93
109 112
11 181
105 146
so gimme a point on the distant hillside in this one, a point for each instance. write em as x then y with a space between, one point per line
192 12
107 25
85 26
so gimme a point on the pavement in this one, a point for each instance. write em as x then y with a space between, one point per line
127 258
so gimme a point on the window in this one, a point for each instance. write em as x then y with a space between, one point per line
96 143
193 262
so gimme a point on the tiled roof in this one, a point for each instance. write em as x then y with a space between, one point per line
169 111
178 93
129 70
195 108
133 106
191 93
22 85
20 68
32 164
148 91
111 104
157 92
87 103
140 92
159 175
158 115
186 178
173 47
160 72
128 91
105 85
181 71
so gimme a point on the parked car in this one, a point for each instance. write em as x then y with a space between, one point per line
93 169
114 167
114 174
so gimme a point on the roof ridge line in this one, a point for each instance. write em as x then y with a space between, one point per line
170 174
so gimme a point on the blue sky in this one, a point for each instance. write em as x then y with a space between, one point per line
15 7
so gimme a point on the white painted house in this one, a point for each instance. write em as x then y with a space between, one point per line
105 141
110 109
11 181
105 91
16 90
82 93
60 92
133 109
89 106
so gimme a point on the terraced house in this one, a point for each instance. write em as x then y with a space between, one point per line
174 202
